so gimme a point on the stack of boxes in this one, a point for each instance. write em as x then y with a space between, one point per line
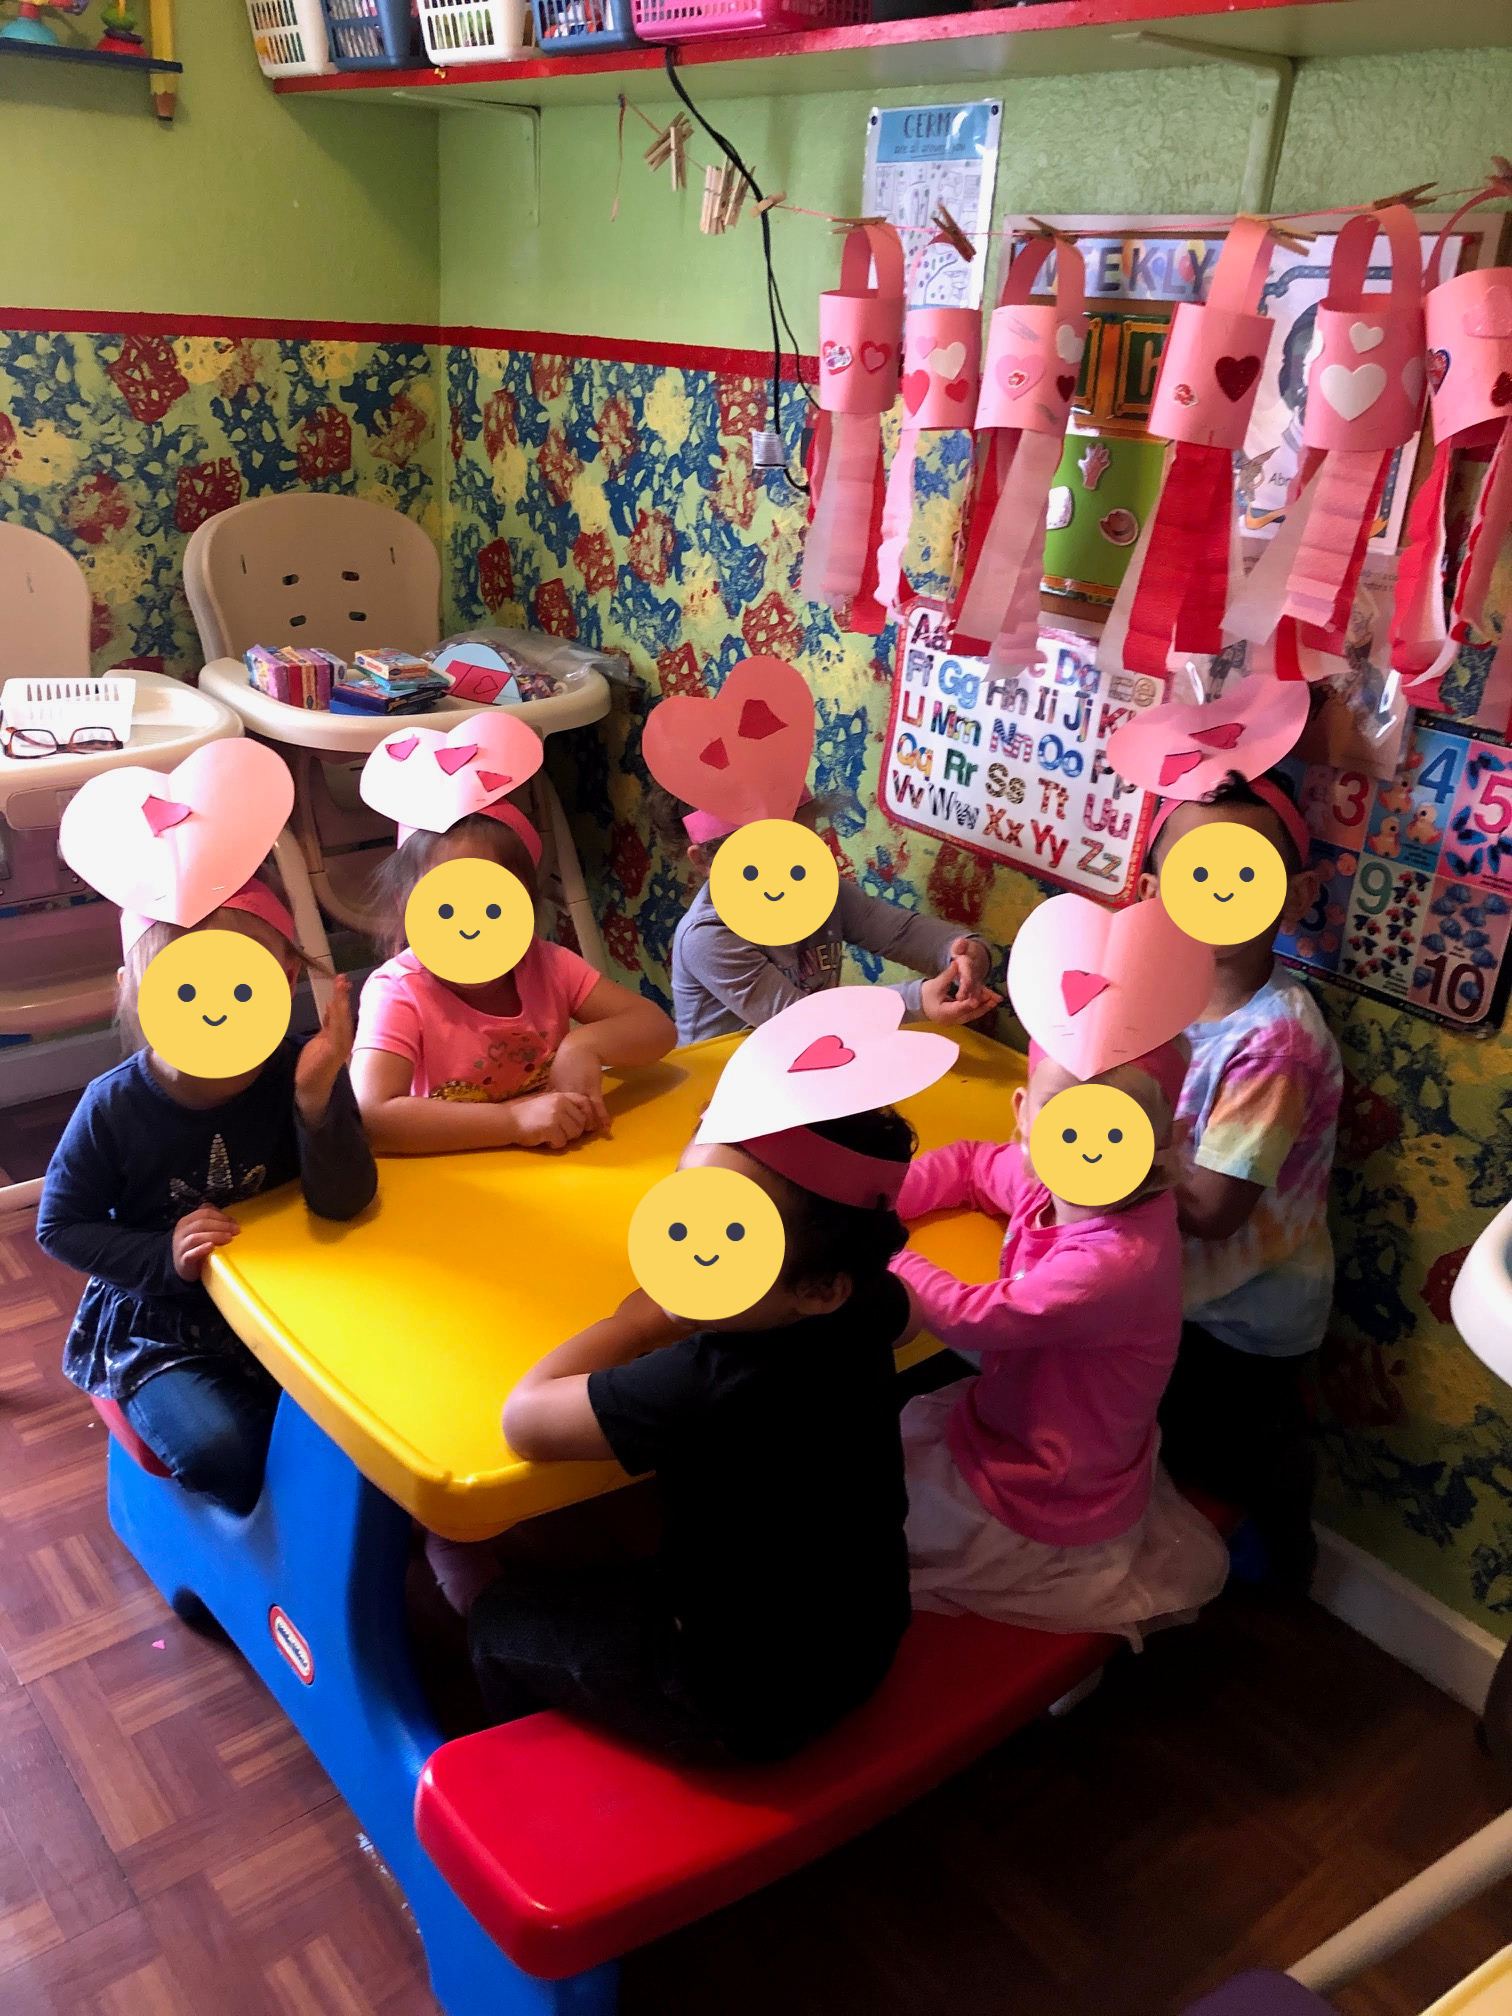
296 674
388 682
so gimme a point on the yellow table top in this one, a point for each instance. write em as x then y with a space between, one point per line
402 1334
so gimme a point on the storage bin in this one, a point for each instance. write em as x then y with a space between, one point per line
373 34
694 20
289 37
583 27
476 31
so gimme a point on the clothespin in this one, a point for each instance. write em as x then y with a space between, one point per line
1045 230
1501 176
841 224
723 194
669 147
951 232
1285 237
1415 198
732 197
768 203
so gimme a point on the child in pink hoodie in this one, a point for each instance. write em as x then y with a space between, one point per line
1035 1491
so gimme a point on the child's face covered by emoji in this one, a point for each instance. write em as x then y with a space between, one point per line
215 1003
774 882
1091 1144
1223 875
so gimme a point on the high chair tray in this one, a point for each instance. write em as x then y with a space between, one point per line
355 734
168 720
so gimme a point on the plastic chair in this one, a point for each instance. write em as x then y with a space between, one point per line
342 573
45 600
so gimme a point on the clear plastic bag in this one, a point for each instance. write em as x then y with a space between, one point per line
544 665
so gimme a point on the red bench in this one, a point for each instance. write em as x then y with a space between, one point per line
129 1439
571 1847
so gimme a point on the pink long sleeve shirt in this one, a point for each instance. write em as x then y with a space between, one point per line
1077 1335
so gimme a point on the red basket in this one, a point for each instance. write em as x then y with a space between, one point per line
694 20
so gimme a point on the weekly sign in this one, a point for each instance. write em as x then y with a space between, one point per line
1013 768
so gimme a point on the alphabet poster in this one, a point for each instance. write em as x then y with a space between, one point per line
1013 768
1417 905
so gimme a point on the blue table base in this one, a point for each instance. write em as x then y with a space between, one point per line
311 1590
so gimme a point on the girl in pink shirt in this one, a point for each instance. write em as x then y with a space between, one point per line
1035 1493
515 1062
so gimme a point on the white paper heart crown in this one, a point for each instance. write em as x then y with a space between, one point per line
828 1056
174 849
426 782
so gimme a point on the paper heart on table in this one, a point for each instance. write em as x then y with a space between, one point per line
1096 988
743 755
828 1055
174 847
428 781
1184 751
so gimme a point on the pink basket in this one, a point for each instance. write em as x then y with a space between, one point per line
696 20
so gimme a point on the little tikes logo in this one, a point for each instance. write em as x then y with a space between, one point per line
291 1643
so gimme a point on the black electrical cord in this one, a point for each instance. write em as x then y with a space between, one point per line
777 314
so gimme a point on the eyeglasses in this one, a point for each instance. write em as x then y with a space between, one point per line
24 745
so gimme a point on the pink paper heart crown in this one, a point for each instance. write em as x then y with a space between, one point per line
173 849
828 1056
742 755
427 782
1097 988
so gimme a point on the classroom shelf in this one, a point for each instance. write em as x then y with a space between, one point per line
101 59
1041 39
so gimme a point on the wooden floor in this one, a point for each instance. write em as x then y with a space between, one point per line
168 1847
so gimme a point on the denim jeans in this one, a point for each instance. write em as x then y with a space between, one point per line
211 1424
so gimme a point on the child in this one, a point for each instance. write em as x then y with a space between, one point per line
138 1193
1034 1491
440 1064
781 1591
1258 1117
722 983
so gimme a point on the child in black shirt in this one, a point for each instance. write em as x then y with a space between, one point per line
780 1592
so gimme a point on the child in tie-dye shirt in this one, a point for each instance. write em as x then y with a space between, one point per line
1258 1115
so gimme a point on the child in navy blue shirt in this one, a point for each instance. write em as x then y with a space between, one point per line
137 1197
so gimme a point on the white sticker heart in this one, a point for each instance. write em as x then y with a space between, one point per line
1069 343
1351 393
1412 380
1365 336
948 361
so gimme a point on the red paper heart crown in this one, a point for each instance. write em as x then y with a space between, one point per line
740 756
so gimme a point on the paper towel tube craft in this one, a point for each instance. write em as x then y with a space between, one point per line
173 849
426 782
828 1055
742 755
860 348
1365 388
1177 586
1034 352
1468 334
942 349
1097 988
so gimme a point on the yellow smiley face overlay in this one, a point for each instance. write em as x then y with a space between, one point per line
774 882
469 921
214 1004
706 1243
1092 1144
1223 883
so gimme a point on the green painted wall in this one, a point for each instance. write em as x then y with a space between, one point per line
1167 140
247 205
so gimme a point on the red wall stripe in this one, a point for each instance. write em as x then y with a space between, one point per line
600 349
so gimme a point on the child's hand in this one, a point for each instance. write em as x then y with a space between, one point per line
969 1002
550 1119
576 1069
322 1057
195 1238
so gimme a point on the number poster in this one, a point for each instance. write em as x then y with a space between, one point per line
1013 768
1418 902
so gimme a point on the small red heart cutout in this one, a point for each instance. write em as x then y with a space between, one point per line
161 813
1501 391
1177 765
404 748
1227 735
915 390
1078 988
1235 375
492 781
715 756
453 760
1067 385
875 355
757 721
958 389
825 1053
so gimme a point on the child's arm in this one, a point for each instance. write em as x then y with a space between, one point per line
1054 1303
85 1181
741 976
336 1165
614 1027
548 1417
399 1124
928 946
981 1174
1257 1113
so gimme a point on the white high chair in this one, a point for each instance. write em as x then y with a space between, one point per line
342 574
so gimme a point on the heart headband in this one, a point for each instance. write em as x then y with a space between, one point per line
827 1056
1270 794
742 755
426 782
1098 988
172 849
